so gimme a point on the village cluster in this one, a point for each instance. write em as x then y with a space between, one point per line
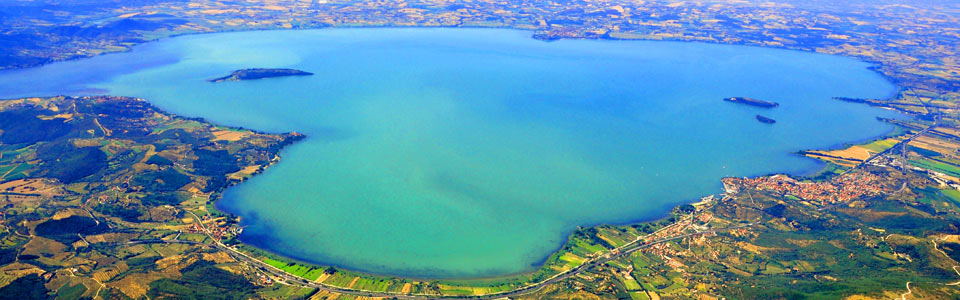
846 187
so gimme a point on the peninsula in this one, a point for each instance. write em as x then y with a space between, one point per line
259 73
753 102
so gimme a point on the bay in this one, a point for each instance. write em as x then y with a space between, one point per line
475 152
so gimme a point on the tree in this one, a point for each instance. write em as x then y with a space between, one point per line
330 270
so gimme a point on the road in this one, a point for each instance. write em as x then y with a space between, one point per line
882 153
904 295
291 279
900 144
159 241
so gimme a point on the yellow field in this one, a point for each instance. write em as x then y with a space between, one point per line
849 157
229 135
41 246
135 285
945 147
40 186
16 270
105 274
244 173
853 155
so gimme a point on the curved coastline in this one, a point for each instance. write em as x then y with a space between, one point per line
539 264
629 222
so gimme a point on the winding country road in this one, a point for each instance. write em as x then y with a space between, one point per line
904 295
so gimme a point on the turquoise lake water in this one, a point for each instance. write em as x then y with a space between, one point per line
475 152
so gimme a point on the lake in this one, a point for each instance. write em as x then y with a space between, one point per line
475 152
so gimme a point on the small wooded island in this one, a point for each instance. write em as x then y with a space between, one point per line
766 120
259 73
753 102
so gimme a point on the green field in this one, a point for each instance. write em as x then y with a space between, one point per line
311 273
631 284
13 172
571 260
639 296
937 166
952 194
880 145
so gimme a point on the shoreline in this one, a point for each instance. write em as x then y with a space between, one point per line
873 65
540 264
219 194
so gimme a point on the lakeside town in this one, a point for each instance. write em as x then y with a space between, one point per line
842 188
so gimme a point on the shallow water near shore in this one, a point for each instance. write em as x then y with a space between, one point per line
475 152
